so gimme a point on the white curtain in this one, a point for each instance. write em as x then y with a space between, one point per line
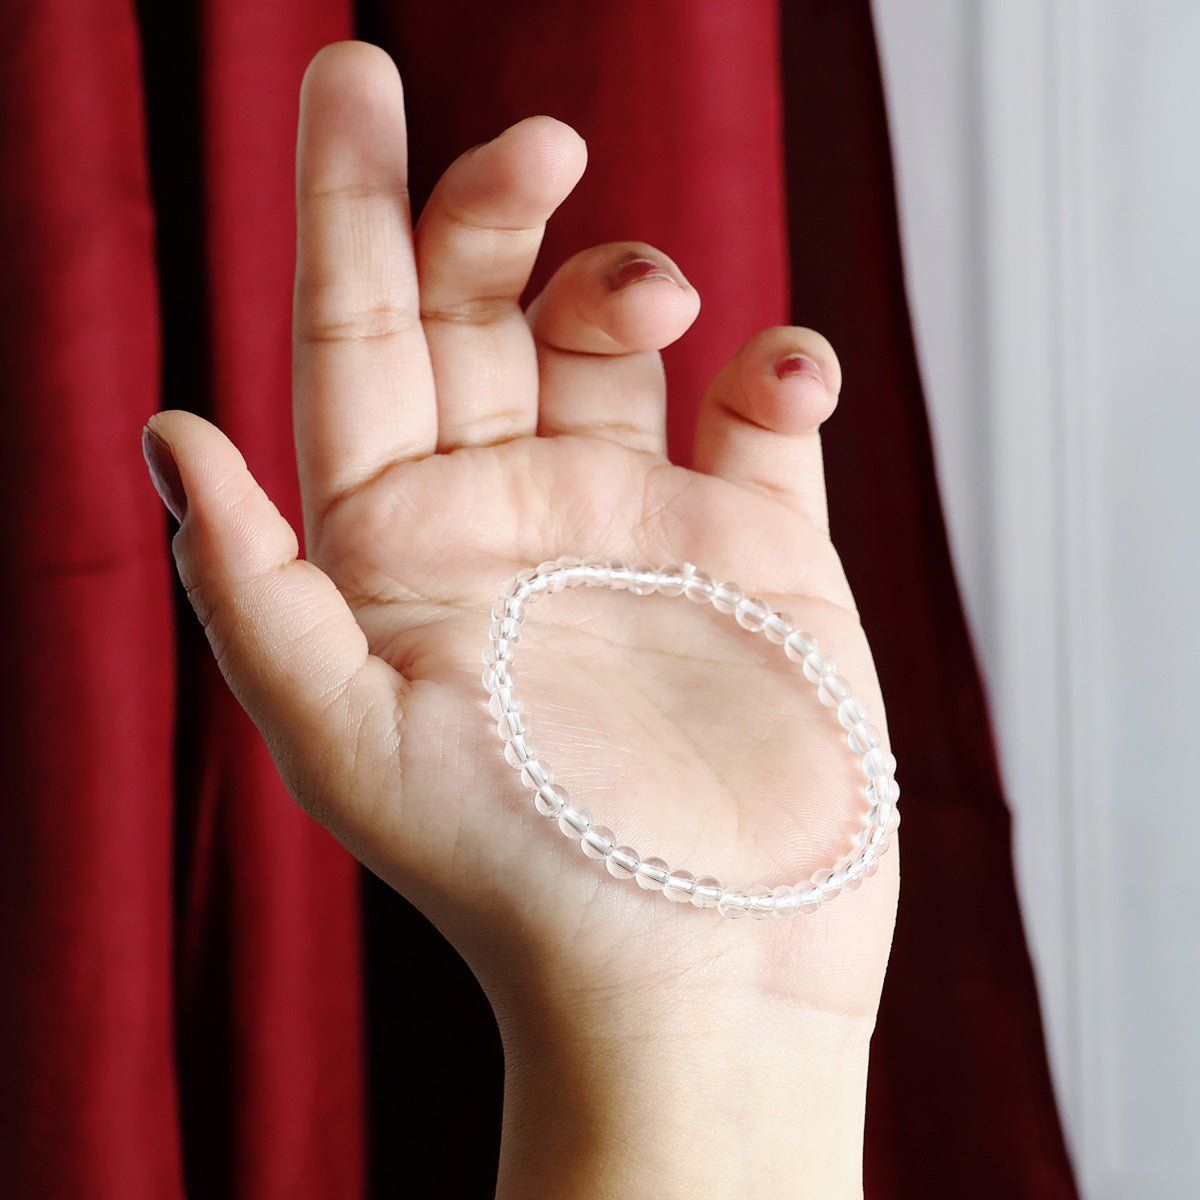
1048 160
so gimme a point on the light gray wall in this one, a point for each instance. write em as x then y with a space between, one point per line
1049 174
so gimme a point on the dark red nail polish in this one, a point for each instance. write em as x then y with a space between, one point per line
798 364
638 268
164 474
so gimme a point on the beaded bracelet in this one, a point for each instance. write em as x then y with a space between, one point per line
599 842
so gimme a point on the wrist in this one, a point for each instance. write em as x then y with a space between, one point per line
666 1092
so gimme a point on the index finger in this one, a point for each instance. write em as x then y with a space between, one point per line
363 387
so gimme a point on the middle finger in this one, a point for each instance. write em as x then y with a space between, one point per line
476 244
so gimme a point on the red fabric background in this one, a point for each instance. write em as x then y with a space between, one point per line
183 996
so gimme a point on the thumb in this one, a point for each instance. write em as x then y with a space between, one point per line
284 637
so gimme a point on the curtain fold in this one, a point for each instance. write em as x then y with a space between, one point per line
183 1012
87 653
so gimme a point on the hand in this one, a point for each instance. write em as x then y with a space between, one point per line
445 440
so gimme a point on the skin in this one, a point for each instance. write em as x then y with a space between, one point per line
445 440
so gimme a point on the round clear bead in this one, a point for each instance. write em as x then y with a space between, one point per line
822 880
852 712
595 572
497 706
553 577
620 575
598 842
777 627
817 666
574 822
506 606
832 690
679 886
798 645
518 751
622 863
501 650
535 776
761 903
698 587
670 581
506 629
550 800
878 763
864 738
511 725
497 676
787 901
652 873
809 901
645 581
708 892
734 906
726 597
883 790
751 613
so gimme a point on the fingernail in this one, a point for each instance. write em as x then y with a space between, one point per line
164 474
635 270
798 364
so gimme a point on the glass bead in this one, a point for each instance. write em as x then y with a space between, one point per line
518 751
878 763
708 892
726 597
499 651
870 863
852 712
620 575
497 676
853 881
498 708
598 842
679 886
535 776
817 666
809 902
798 645
787 901
553 576
574 822
517 588
833 690
511 725
506 629
880 815
506 606
863 738
823 881
622 863
760 906
644 582
733 906
595 572
550 800
698 587
777 627
652 873
670 581
883 790
751 613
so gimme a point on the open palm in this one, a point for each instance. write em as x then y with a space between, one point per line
447 440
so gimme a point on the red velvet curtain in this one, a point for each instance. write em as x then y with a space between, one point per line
184 992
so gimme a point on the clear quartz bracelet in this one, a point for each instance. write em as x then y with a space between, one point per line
752 614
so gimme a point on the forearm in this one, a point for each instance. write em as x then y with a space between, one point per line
683 1097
